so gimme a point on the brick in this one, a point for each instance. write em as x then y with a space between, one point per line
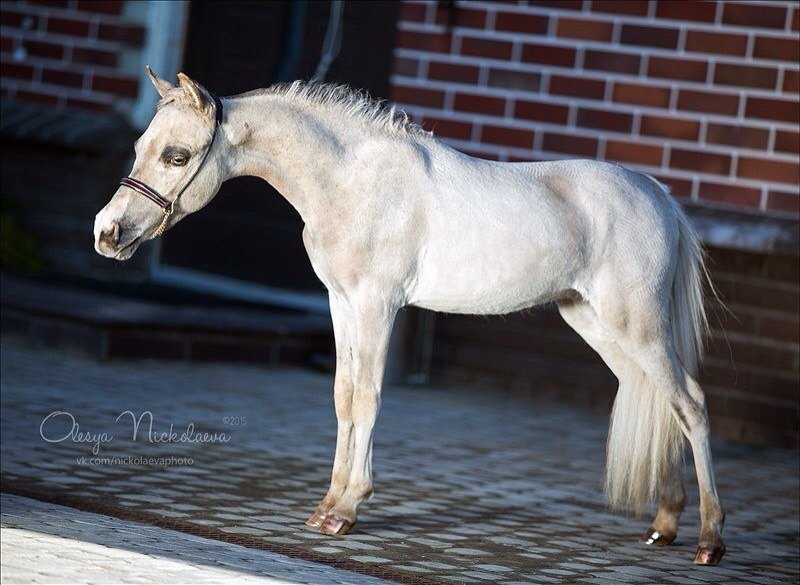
781 49
6 44
645 95
754 15
111 7
649 36
448 128
453 72
503 135
129 35
460 16
17 71
423 41
634 152
700 160
680 188
548 55
15 19
772 109
791 81
541 111
43 49
50 3
61 77
745 75
405 66
576 86
769 170
670 127
632 7
687 10
514 79
417 96
737 135
570 144
412 12
783 269
783 201
796 19
704 41
36 97
760 295
85 104
479 104
787 141
709 102
121 86
670 68
558 4
534 24
94 56
488 48
730 194
783 328
604 120
612 61
764 356
68 26
590 30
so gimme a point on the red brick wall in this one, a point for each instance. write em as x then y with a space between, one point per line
68 53
704 95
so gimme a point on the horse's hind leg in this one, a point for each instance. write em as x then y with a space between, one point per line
671 503
579 315
645 335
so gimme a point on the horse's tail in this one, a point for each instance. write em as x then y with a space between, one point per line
645 443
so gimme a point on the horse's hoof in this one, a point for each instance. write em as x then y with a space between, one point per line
656 538
316 519
336 526
709 555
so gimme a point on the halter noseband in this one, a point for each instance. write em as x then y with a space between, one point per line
166 204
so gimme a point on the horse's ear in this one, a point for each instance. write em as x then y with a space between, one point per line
162 85
196 93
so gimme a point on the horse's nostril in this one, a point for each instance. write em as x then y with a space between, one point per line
110 236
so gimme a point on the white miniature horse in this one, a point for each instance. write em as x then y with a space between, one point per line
394 217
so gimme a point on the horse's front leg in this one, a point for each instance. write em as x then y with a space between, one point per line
342 395
371 322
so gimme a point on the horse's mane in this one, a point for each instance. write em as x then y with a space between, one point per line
346 101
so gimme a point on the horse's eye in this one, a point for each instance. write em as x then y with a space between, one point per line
178 160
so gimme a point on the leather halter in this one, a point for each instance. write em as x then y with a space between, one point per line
166 204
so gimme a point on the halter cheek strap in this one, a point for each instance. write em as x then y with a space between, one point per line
168 205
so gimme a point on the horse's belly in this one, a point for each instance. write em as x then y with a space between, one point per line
489 285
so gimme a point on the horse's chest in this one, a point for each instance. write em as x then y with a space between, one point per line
339 259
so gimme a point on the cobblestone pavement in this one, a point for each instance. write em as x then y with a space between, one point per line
45 543
472 486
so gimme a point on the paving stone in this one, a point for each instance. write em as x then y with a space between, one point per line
515 498
81 547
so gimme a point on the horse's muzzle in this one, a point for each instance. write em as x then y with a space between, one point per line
107 240
110 242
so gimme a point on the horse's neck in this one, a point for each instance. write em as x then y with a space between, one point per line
288 149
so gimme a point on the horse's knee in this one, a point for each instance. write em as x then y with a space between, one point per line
365 405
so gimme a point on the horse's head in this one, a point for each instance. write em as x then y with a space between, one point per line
179 167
